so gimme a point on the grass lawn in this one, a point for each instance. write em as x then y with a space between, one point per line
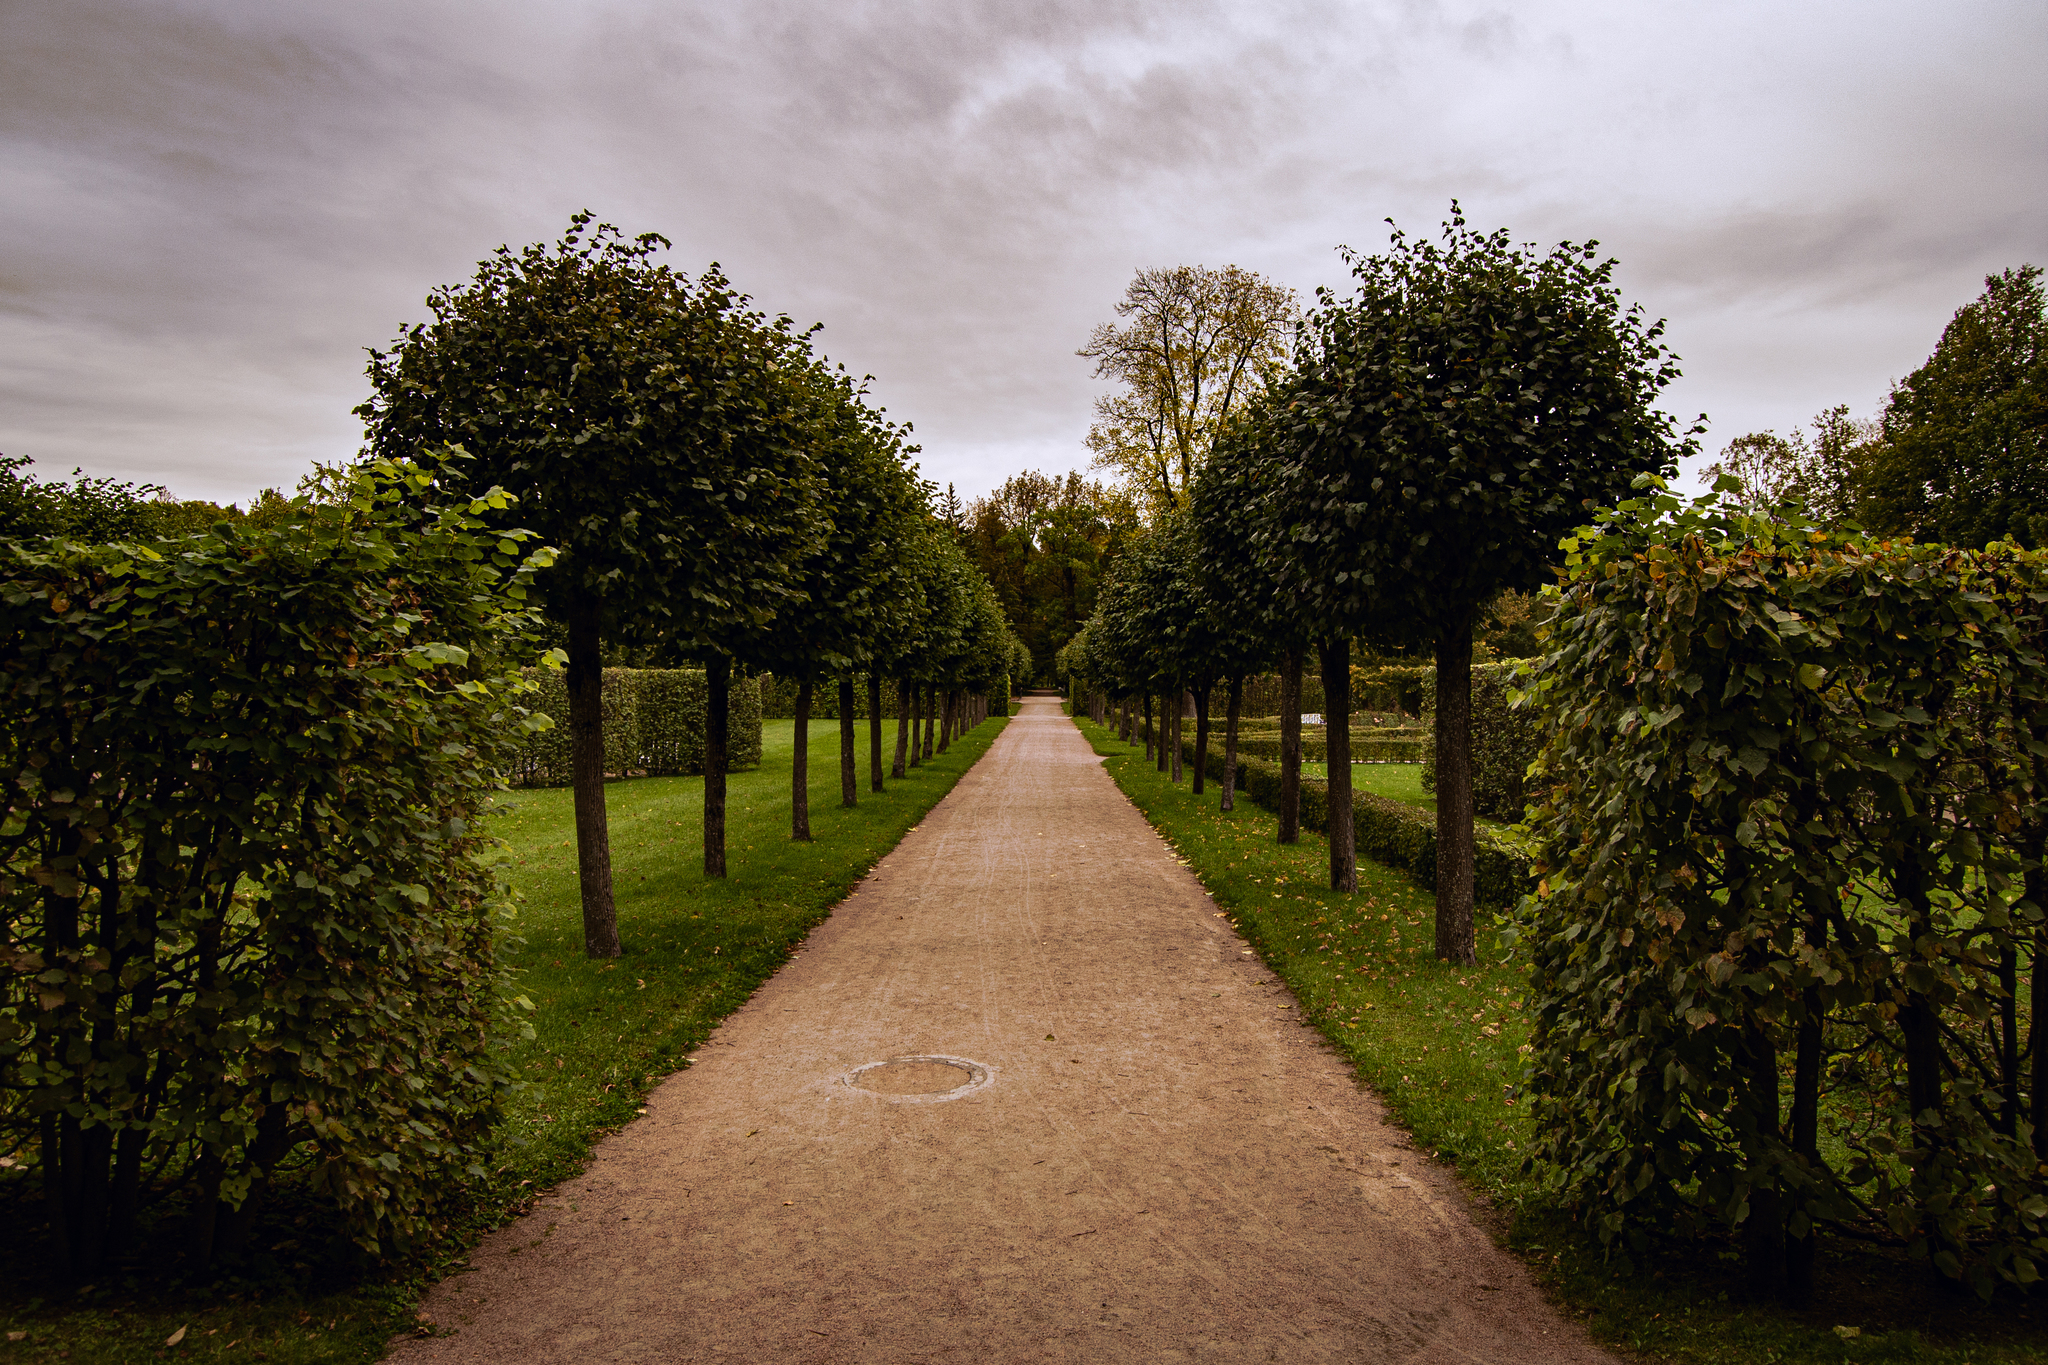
1442 1046
604 1033
1395 781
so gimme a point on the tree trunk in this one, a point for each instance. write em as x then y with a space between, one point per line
717 707
949 711
1336 658
800 768
1123 712
1290 747
1229 801
1201 735
1145 703
931 717
1164 759
1454 839
586 766
1763 1232
1180 707
2037 892
904 705
849 746
874 731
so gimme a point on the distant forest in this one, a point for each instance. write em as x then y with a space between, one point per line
1045 541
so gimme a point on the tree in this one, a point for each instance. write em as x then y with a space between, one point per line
851 589
1470 404
1195 346
1964 455
1824 474
648 426
1043 542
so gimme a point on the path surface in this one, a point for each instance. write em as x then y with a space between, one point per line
1160 1167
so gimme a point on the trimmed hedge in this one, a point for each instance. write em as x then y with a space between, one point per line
1505 741
1392 833
1367 746
653 725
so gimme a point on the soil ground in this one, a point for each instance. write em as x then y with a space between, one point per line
1145 1158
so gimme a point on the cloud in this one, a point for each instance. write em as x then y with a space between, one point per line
214 207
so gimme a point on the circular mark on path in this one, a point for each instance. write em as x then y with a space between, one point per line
920 1080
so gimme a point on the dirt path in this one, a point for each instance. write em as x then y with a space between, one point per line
1152 1162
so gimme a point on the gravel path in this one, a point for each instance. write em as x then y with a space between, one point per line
1146 1158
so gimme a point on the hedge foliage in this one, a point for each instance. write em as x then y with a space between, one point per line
653 725
1792 834
1368 744
1392 833
247 912
1505 741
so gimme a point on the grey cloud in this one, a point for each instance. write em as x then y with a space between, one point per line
211 208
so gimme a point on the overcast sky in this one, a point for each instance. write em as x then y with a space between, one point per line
210 209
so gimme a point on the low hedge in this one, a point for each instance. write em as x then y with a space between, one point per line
653 725
1367 746
1392 833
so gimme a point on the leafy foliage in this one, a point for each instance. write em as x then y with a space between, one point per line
1196 346
249 918
1505 741
1964 455
653 724
1792 841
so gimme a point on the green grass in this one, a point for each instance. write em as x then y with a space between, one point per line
1442 1045
604 1033
1395 781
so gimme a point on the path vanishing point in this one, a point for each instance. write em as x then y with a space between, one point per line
1120 1148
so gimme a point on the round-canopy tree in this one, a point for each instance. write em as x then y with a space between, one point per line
1469 405
649 426
852 588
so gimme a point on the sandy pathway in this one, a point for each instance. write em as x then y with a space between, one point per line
1159 1165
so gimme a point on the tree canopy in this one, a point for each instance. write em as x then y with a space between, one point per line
1963 458
1196 344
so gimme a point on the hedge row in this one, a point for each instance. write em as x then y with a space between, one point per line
653 724
1505 741
1367 746
1389 832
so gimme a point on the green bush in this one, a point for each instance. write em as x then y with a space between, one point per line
1392 833
653 725
1367 746
249 912
1505 741
1791 835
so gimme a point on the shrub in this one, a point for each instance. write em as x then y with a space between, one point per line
1505 741
1392 833
1370 746
249 911
653 725
1791 834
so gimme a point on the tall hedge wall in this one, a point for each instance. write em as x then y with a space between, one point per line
247 913
1791 830
653 725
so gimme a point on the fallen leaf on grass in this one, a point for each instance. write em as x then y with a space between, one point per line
174 1338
